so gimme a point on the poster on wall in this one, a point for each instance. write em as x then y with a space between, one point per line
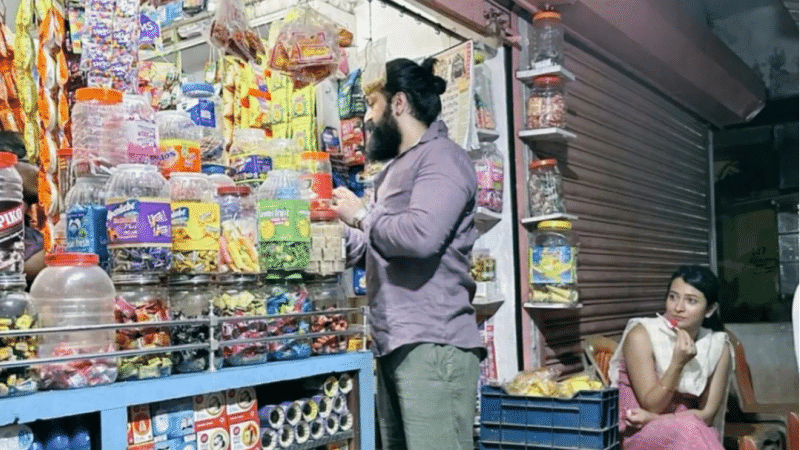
455 66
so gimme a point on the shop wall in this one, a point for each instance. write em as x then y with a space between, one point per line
637 176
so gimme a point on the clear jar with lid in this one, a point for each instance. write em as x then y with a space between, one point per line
237 244
195 224
73 291
141 133
546 106
553 257
317 177
86 216
284 228
489 172
484 106
142 298
12 210
250 157
139 220
98 131
192 297
545 188
17 313
547 40
178 142
241 296
285 154
482 265
288 296
205 109
327 294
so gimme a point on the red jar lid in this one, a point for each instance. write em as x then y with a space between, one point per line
314 156
7 159
65 152
547 80
100 94
542 163
547 15
72 259
233 190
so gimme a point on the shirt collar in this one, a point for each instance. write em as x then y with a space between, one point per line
436 130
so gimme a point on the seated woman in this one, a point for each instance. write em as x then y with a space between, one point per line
672 373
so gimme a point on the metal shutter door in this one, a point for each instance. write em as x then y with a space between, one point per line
637 177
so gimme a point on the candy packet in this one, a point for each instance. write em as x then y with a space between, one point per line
231 32
306 46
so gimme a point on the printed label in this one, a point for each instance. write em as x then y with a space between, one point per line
86 230
283 220
552 264
202 112
321 186
139 222
12 245
178 155
141 137
251 167
195 226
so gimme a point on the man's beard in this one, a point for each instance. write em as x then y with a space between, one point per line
384 138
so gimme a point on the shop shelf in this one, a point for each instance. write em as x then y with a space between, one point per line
589 420
558 216
533 305
485 218
527 76
546 134
486 135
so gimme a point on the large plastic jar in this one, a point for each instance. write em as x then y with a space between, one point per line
205 109
141 133
178 142
250 156
142 299
86 218
17 313
545 188
489 172
73 291
553 257
191 297
326 294
546 106
237 244
316 175
547 40
287 297
195 224
139 220
285 154
284 228
12 217
241 296
98 131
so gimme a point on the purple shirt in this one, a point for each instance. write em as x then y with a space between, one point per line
416 243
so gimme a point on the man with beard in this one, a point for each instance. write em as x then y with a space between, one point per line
415 240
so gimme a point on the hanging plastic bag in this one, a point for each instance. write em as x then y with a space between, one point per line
374 76
230 31
306 46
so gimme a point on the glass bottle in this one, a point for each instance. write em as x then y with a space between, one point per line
547 43
545 188
546 106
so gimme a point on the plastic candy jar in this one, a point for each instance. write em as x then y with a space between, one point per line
316 175
12 217
553 256
289 296
191 297
205 109
17 313
141 133
195 224
178 142
250 157
545 188
237 244
241 295
86 218
546 105
547 40
98 131
489 172
327 294
284 229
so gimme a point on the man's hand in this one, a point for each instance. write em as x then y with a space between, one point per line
347 205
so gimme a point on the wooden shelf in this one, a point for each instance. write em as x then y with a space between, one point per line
527 76
553 305
546 134
486 135
557 216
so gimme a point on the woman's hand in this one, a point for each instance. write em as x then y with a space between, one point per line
638 417
685 349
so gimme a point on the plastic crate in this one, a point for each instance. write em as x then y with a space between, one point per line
589 420
508 446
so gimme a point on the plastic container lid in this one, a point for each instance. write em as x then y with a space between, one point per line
547 15
197 87
316 156
239 191
542 163
99 94
72 259
7 159
65 152
546 80
189 279
555 225
135 278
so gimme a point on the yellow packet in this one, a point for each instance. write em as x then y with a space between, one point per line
280 115
303 133
280 131
303 102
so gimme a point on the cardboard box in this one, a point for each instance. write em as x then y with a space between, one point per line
241 404
245 435
210 412
216 438
173 419
140 427
143 446
181 443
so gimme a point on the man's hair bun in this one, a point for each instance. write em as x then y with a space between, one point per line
438 85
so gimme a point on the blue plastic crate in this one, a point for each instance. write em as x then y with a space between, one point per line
509 446
587 421
588 409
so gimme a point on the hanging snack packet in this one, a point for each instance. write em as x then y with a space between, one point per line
231 32
306 46
374 76
351 100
